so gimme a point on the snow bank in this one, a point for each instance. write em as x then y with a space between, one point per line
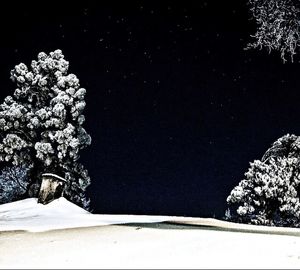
28 215
151 246
90 245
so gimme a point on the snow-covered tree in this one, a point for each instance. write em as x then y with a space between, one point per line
13 183
283 147
278 26
41 124
270 192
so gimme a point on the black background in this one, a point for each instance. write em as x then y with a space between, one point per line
175 106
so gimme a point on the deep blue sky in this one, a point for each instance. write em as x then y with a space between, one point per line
175 106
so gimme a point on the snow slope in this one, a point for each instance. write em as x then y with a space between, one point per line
147 246
62 235
28 215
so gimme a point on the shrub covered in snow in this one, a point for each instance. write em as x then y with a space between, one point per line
269 194
13 183
41 124
278 25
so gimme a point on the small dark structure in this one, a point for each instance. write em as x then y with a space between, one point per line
52 188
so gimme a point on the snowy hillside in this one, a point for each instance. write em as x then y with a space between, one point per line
28 215
63 235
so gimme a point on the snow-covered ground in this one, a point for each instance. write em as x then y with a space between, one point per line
28 215
62 235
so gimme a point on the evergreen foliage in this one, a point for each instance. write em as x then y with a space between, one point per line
270 192
41 124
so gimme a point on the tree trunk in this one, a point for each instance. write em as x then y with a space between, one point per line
52 188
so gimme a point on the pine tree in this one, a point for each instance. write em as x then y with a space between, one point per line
278 26
269 194
41 124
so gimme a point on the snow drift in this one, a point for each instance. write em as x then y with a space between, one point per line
28 215
63 235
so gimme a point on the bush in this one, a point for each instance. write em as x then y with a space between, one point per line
269 194
13 183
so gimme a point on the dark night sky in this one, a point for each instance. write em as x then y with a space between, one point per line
175 106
